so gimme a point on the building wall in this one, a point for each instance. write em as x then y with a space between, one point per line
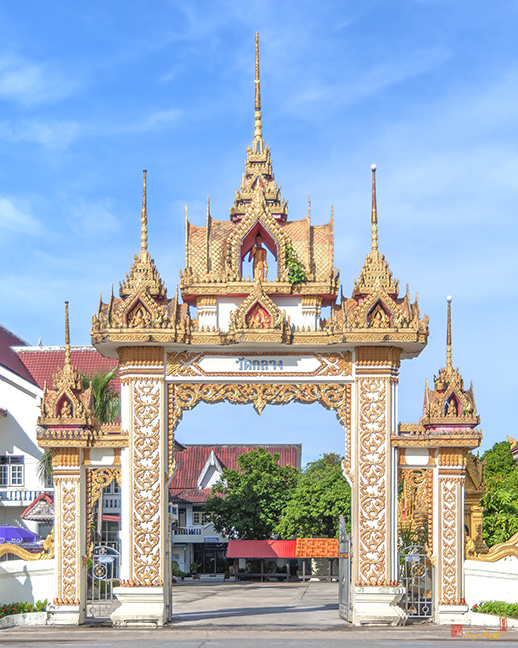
22 401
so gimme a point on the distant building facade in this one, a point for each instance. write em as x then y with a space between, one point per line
200 467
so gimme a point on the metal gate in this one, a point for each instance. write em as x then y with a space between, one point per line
103 574
344 573
415 574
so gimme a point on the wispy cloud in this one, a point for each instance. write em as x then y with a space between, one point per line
29 83
94 218
16 217
51 134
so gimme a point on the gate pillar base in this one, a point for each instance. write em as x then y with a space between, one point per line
378 606
448 614
142 606
71 615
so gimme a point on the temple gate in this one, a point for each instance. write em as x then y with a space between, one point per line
258 340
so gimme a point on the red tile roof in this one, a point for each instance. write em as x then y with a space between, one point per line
300 548
261 548
191 461
43 362
8 358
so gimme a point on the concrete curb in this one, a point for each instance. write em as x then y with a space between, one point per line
25 619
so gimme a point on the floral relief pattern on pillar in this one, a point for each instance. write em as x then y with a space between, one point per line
373 482
146 482
449 573
68 491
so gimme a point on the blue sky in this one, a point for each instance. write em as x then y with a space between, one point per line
92 93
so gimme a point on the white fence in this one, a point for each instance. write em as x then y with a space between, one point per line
29 581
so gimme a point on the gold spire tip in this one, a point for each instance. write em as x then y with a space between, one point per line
67 336
143 234
258 128
448 334
374 212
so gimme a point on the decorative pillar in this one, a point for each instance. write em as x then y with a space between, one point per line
207 312
311 308
145 586
69 604
374 493
450 535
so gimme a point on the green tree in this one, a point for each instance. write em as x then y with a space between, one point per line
106 399
500 501
247 503
321 496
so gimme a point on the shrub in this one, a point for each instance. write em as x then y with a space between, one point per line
498 608
20 608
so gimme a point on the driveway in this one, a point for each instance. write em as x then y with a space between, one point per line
258 605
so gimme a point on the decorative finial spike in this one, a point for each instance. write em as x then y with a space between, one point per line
374 212
143 234
208 207
258 128
67 337
448 334
309 205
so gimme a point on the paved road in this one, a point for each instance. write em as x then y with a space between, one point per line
252 615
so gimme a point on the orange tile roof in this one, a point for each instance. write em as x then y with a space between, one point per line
317 548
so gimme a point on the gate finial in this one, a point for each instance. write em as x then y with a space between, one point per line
143 234
258 128
374 212
448 334
67 337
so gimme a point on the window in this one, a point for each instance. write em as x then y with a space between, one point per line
198 516
11 470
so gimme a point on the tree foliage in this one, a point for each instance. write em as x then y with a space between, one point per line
501 498
321 496
106 399
247 503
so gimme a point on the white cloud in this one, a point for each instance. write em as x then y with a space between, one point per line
30 83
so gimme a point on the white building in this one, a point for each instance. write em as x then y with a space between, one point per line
23 373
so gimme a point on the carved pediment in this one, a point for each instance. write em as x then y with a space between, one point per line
258 311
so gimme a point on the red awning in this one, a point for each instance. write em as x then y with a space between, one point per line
261 548
111 518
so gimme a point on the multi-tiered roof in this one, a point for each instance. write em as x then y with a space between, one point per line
303 273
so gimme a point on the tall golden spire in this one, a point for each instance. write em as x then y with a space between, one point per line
448 335
143 235
258 127
67 338
374 212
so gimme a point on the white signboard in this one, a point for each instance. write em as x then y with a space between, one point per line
246 364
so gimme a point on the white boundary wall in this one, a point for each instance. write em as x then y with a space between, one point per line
26 580
486 581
